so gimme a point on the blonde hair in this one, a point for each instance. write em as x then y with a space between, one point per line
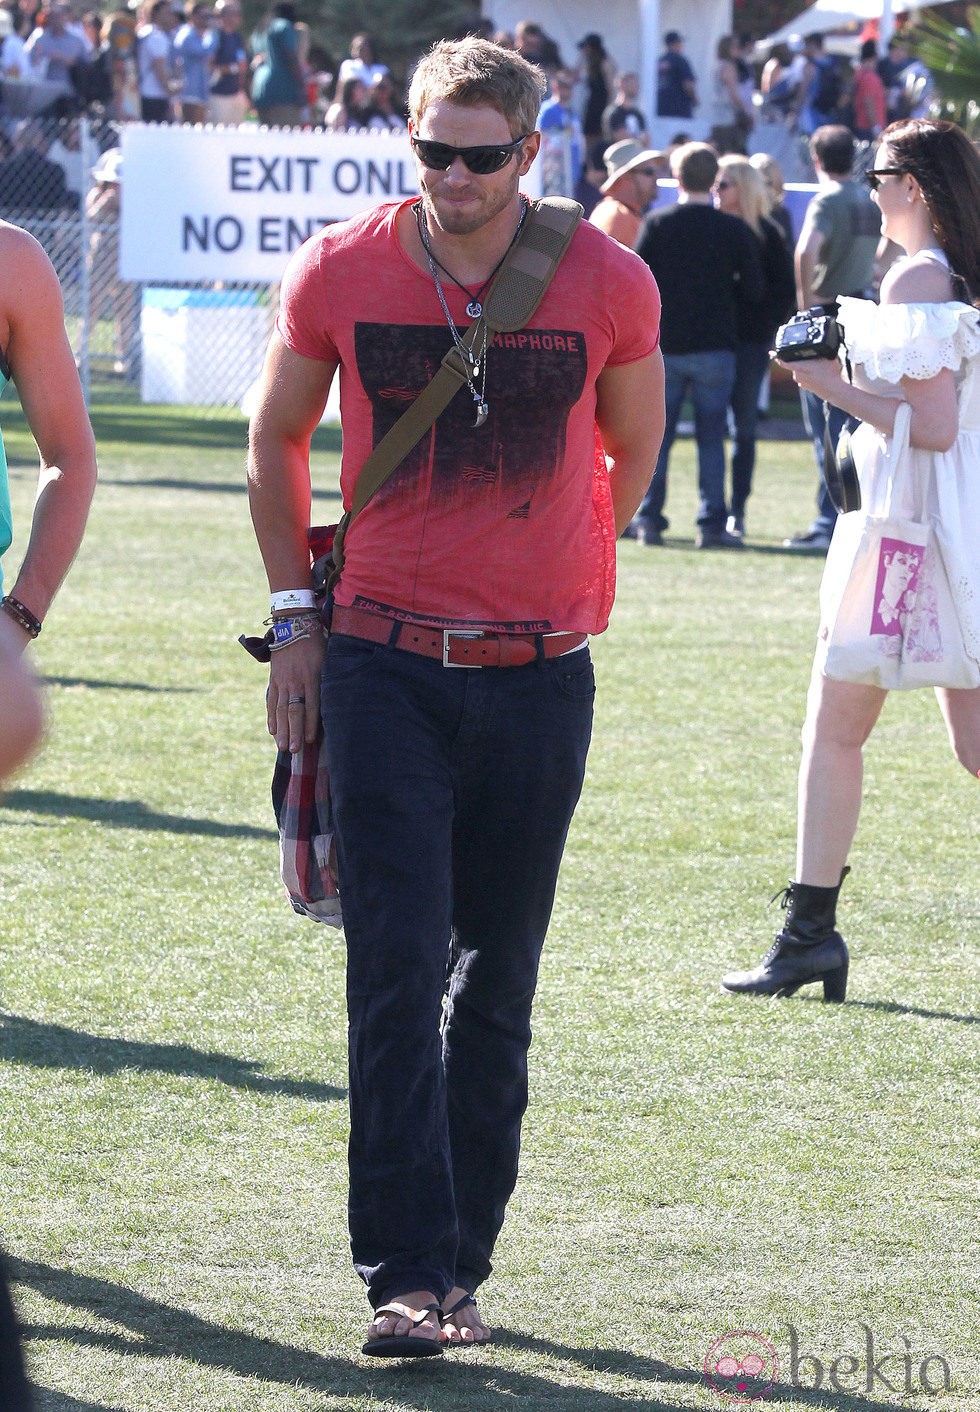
473 73
753 199
772 174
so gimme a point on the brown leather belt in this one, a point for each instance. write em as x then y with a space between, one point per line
454 647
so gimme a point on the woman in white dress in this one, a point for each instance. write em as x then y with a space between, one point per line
920 347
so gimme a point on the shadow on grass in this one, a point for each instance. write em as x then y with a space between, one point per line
631 1365
779 551
161 1331
123 814
95 684
50 1401
208 487
117 416
42 1044
892 1007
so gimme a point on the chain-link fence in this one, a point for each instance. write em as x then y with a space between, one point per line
200 345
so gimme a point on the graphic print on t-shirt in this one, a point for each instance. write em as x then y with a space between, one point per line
534 378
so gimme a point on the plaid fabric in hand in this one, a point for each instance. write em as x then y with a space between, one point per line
307 855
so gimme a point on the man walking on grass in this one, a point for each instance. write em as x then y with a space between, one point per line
704 261
453 784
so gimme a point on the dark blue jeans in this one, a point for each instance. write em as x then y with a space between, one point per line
453 791
751 362
708 379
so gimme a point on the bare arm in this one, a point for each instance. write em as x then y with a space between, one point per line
630 413
934 422
292 396
807 250
33 333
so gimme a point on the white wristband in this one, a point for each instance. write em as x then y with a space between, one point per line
291 598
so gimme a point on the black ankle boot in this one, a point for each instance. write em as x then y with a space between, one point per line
807 949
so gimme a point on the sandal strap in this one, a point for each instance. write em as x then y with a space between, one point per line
463 1303
394 1312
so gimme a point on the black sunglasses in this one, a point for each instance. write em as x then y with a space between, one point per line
481 161
873 177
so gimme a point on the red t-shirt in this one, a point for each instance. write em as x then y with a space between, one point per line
508 525
868 100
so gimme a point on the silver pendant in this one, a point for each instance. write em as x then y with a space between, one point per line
482 411
474 308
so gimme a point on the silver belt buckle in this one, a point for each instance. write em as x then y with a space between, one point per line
458 632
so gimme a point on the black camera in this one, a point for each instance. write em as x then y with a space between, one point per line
809 334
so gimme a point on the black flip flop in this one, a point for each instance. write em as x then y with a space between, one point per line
404 1345
446 1314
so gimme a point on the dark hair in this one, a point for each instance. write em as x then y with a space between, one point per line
593 51
833 145
946 165
284 10
869 50
695 165
347 90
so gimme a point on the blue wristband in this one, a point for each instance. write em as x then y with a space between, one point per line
287 630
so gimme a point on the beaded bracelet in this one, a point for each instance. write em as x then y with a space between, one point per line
21 615
286 631
301 616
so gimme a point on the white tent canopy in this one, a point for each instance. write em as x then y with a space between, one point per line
836 14
632 31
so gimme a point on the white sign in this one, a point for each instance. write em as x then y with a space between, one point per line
234 203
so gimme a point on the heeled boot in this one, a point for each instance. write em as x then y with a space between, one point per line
807 949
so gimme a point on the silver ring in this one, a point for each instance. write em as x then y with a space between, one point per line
296 701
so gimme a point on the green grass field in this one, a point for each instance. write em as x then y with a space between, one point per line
173 1038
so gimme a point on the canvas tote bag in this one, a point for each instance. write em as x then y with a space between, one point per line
888 617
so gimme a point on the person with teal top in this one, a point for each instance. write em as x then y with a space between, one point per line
35 354
278 95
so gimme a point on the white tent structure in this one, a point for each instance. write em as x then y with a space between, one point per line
835 14
632 31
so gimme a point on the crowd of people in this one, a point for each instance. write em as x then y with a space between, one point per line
160 62
157 62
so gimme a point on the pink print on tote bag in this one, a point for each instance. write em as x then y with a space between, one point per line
887 612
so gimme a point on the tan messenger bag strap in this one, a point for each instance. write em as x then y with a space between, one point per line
511 301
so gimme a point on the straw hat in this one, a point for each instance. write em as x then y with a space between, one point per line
622 157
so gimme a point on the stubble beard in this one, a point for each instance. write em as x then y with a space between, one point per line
453 221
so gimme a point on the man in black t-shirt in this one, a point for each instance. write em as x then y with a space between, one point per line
701 258
623 118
